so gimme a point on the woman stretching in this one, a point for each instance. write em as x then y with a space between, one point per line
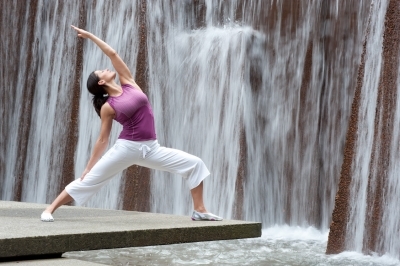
137 143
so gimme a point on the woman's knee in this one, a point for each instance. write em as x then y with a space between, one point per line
198 161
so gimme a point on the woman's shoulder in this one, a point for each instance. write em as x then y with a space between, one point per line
131 86
107 109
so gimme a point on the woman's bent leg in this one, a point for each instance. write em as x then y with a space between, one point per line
197 195
200 213
190 167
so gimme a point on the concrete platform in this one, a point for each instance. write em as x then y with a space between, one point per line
52 262
23 235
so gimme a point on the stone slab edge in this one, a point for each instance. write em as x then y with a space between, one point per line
57 244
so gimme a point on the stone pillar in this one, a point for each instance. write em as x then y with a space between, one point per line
135 186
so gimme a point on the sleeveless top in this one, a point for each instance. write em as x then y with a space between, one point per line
133 111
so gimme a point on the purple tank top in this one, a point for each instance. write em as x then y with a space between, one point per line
133 111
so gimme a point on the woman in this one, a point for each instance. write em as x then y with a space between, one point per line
137 143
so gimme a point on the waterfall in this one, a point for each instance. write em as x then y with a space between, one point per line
213 75
36 106
242 94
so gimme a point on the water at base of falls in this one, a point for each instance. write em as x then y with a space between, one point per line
278 245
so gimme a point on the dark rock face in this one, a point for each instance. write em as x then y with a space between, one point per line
339 217
25 120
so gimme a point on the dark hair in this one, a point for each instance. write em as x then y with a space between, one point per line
99 93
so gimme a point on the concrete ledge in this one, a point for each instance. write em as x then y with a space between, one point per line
77 228
52 262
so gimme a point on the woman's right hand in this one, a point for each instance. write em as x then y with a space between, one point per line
81 33
84 174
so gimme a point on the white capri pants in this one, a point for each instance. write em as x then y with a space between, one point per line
149 154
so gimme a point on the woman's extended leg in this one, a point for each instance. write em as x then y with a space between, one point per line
62 199
113 161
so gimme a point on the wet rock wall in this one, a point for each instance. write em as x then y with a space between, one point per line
380 176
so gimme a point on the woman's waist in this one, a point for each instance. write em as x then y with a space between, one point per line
137 144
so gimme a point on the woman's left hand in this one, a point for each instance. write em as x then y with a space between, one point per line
81 33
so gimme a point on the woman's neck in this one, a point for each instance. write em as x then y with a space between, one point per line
113 89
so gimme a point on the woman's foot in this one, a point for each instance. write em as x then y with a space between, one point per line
62 199
46 217
198 216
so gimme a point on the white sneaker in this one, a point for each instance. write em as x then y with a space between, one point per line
198 216
46 217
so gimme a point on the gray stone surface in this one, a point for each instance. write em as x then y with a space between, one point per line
78 228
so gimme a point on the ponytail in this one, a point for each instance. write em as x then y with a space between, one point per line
98 101
100 95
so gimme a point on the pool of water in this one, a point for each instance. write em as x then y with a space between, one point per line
278 245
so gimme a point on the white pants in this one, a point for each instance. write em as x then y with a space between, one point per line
149 154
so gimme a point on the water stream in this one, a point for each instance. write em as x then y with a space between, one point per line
278 246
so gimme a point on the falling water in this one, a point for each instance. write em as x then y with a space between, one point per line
42 78
213 75
11 110
197 89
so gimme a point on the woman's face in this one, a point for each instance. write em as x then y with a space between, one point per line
105 75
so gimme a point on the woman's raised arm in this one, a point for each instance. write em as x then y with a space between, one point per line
125 76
